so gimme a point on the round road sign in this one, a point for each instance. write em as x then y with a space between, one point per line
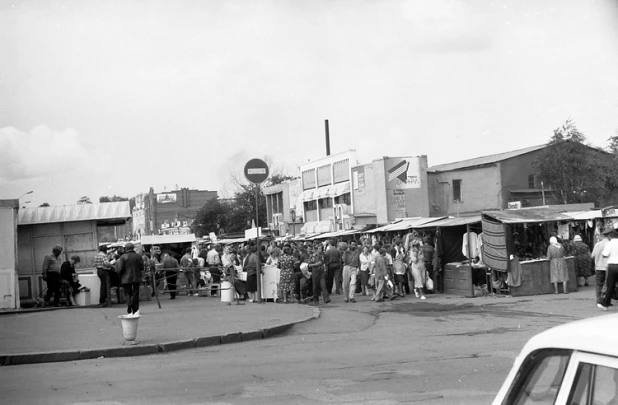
256 171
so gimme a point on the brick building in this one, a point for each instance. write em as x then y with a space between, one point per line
170 212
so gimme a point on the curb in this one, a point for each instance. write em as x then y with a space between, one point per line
148 349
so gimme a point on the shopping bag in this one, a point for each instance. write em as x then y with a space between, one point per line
429 284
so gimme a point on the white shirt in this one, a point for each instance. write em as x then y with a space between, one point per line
213 258
600 261
365 261
611 251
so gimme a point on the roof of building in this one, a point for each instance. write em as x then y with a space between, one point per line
78 212
484 160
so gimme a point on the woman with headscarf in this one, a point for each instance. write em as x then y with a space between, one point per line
583 263
559 273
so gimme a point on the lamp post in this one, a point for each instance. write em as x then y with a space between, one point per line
293 214
29 192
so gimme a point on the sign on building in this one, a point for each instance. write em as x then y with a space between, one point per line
166 198
403 173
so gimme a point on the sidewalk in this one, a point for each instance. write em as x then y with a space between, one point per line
67 334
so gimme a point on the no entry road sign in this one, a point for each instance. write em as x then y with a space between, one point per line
256 171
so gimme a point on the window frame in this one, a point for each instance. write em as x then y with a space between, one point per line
458 190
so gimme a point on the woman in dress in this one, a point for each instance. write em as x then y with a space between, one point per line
583 263
273 259
286 275
231 270
252 265
559 272
365 264
417 266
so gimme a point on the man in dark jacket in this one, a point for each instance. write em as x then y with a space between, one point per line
130 271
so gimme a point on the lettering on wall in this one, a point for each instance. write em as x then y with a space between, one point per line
397 203
403 173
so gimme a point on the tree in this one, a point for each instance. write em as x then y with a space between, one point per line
113 198
44 205
573 171
212 217
84 200
279 178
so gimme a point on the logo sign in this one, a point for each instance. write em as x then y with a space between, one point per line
166 198
256 171
514 205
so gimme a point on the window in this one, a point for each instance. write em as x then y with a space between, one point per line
308 179
310 205
343 199
531 182
594 385
539 378
457 190
324 175
326 202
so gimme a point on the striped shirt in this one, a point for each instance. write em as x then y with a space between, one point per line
100 261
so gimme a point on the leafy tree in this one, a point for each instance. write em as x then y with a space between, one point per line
279 178
573 171
44 205
212 217
84 200
113 198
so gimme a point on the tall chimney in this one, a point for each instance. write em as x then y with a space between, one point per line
327 138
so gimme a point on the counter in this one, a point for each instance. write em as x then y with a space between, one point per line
535 278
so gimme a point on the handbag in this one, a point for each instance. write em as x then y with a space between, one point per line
429 284
372 281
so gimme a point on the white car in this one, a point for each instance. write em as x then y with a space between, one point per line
575 363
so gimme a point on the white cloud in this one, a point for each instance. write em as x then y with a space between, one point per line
38 153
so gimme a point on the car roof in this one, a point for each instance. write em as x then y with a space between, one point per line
594 335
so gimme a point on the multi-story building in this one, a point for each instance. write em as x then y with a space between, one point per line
169 212
284 207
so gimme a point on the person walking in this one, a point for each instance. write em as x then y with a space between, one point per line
286 279
51 275
417 266
186 264
611 252
103 266
252 265
365 264
332 259
170 268
351 264
559 272
318 275
600 262
131 265
380 272
583 264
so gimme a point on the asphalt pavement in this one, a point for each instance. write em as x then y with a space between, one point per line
74 333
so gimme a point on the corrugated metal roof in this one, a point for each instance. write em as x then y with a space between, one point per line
78 212
164 239
528 215
484 160
440 223
404 224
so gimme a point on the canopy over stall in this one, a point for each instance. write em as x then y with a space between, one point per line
167 239
404 224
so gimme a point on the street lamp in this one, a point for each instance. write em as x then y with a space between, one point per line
29 192
293 214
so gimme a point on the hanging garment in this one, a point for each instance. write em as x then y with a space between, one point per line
514 276
470 239
480 245
563 231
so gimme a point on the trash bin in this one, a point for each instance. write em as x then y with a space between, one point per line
83 298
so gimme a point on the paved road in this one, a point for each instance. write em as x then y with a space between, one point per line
442 351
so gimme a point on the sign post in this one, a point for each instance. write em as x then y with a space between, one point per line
256 171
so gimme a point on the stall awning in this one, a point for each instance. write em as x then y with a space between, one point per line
165 239
340 189
335 234
118 210
527 216
445 222
585 215
405 224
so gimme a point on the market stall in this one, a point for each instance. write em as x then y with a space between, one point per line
456 242
515 244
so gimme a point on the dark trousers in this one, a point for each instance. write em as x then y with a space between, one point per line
102 273
171 276
302 286
612 277
53 287
599 281
318 278
333 277
131 294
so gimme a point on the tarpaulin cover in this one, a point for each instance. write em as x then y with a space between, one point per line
494 245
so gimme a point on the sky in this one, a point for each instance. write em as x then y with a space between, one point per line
114 97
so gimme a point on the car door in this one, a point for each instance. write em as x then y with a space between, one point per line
592 379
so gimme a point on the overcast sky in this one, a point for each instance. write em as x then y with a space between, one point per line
113 97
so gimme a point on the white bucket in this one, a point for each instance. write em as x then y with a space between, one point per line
227 291
129 327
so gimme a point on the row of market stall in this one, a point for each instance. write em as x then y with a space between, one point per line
503 250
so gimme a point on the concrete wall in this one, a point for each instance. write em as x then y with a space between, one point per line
36 241
8 254
480 190
515 172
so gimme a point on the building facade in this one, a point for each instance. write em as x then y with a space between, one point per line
487 183
389 188
170 212
326 186
284 208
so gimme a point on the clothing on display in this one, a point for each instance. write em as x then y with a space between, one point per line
470 240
